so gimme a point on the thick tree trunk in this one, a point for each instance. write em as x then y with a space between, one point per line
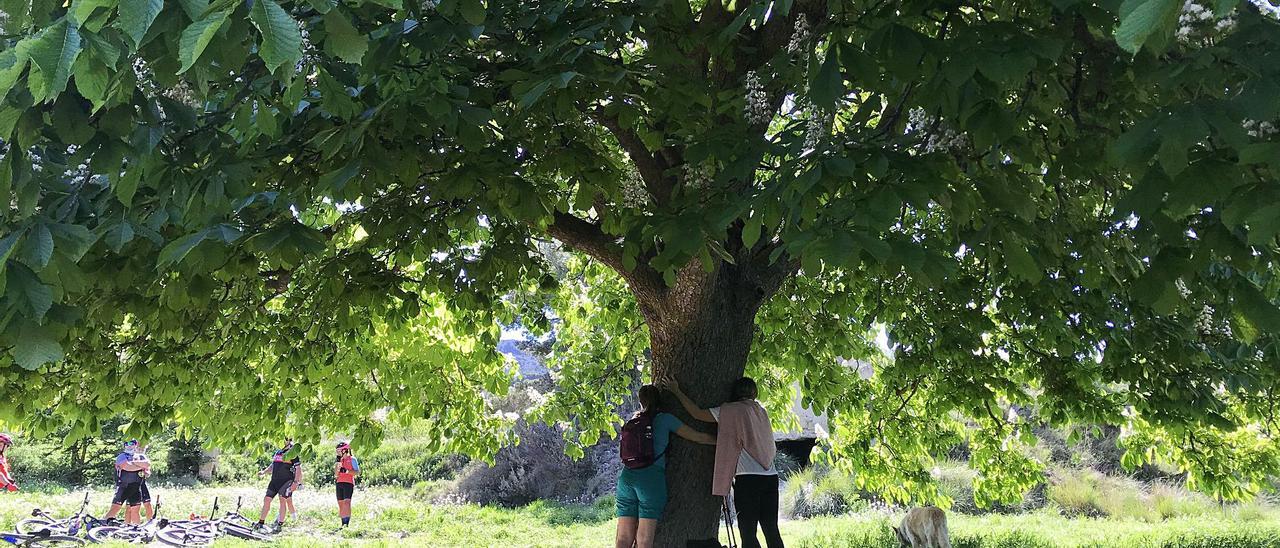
702 339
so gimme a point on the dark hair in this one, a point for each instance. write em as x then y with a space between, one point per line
743 389
649 395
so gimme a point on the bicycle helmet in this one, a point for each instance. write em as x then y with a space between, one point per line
344 445
5 439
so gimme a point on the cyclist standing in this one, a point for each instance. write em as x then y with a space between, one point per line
285 474
6 479
128 483
345 470
145 494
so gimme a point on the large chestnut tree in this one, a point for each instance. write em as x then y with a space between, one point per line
232 213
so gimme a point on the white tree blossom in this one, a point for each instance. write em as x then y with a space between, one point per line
937 135
799 37
757 110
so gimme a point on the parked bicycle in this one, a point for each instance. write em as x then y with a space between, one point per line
196 533
42 539
43 521
131 533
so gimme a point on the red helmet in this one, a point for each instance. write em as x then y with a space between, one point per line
344 445
5 439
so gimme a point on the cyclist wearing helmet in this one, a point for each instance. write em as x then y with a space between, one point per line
345 469
128 483
6 480
286 475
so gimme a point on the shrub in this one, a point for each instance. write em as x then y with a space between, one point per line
538 469
1092 494
184 456
819 491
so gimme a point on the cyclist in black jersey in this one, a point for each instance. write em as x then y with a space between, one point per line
285 475
128 472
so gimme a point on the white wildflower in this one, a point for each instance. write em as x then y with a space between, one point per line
430 4
757 109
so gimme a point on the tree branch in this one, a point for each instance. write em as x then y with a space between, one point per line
652 167
588 238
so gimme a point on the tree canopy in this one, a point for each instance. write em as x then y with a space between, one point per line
224 212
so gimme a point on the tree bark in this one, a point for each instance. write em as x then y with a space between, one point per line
702 339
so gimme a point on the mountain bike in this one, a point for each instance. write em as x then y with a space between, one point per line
42 521
131 533
42 539
203 532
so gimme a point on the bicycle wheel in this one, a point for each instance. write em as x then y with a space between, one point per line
132 535
102 533
182 537
54 541
32 525
240 531
200 528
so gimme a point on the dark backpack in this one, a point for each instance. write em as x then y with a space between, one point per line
636 448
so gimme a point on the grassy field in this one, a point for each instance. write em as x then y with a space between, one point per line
397 517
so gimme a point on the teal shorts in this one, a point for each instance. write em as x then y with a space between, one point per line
642 493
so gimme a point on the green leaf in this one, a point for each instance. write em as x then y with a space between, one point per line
82 9
335 180
127 185
751 230
472 11
54 50
344 41
7 245
91 80
1021 264
196 9
323 6
119 235
1261 153
828 84
40 246
136 16
179 248
1264 224
1257 308
1139 19
12 62
26 289
196 37
35 347
281 39
75 240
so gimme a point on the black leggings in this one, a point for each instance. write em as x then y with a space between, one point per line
756 500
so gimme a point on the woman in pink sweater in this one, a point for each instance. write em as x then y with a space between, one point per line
744 457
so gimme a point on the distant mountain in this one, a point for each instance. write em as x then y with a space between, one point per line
529 364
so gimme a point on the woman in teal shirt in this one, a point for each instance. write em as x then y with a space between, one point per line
642 492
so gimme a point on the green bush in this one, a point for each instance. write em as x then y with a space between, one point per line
819 491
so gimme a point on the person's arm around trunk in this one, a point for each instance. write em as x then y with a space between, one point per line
690 407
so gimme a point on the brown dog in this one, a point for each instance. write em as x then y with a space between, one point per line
924 528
